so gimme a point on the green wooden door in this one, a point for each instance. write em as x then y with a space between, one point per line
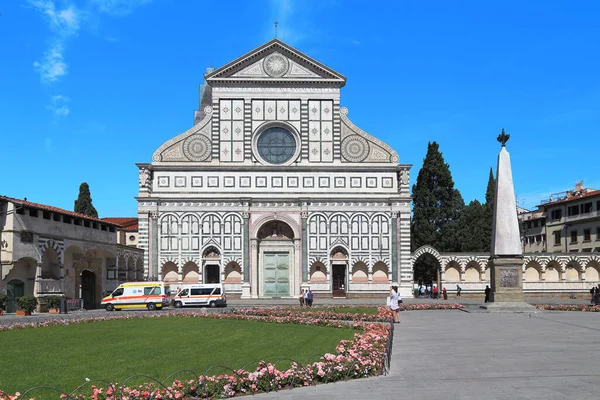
276 270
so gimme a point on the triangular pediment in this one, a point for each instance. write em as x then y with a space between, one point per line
276 63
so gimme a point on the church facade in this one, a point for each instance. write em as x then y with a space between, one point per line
274 189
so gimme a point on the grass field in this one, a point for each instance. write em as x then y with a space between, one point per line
63 356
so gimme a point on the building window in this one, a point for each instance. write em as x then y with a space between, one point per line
556 214
572 211
56 217
535 223
598 233
46 214
587 235
543 237
538 238
276 145
574 236
556 238
543 222
598 205
586 208
131 238
33 212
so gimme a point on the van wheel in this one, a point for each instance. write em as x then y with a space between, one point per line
109 307
178 304
212 304
151 306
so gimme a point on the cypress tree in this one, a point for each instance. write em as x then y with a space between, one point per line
437 206
83 204
488 214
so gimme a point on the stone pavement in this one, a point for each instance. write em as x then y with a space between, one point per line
459 355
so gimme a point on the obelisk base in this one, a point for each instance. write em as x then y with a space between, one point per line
506 275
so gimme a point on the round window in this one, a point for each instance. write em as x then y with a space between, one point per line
276 145
131 238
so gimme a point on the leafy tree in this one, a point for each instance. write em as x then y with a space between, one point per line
437 208
488 215
436 204
472 223
83 204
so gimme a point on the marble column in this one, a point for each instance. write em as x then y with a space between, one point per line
246 292
154 247
394 249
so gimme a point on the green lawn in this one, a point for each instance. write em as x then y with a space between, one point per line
64 356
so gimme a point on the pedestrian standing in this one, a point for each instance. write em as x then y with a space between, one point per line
394 302
301 298
309 298
445 292
458 290
487 293
306 297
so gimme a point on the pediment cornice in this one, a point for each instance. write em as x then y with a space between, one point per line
255 67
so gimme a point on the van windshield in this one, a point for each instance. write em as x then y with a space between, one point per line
184 292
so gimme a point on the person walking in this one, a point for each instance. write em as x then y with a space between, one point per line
394 302
458 290
487 293
301 298
435 292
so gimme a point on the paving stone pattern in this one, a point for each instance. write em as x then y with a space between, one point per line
460 355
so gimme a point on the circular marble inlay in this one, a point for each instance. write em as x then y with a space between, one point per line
197 148
355 148
276 65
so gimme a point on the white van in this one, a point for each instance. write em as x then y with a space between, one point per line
150 295
208 294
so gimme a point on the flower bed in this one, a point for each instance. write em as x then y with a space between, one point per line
568 307
362 356
431 306
321 313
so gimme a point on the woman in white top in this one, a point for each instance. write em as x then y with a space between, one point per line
395 303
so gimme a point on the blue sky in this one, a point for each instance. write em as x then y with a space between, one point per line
89 88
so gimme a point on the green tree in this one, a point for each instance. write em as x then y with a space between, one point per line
472 223
437 208
83 204
488 215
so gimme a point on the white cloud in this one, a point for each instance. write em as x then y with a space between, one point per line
118 7
64 24
53 65
59 106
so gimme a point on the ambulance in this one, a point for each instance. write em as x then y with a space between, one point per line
209 294
130 295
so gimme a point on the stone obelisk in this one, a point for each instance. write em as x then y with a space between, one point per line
506 258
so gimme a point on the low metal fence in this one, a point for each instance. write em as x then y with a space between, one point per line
203 390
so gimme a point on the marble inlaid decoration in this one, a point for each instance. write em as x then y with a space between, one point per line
196 181
180 181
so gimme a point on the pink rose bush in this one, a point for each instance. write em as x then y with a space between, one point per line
568 307
363 356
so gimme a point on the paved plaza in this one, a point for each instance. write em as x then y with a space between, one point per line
460 355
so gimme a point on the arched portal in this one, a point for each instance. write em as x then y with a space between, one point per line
212 265
427 266
276 259
88 289
339 266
